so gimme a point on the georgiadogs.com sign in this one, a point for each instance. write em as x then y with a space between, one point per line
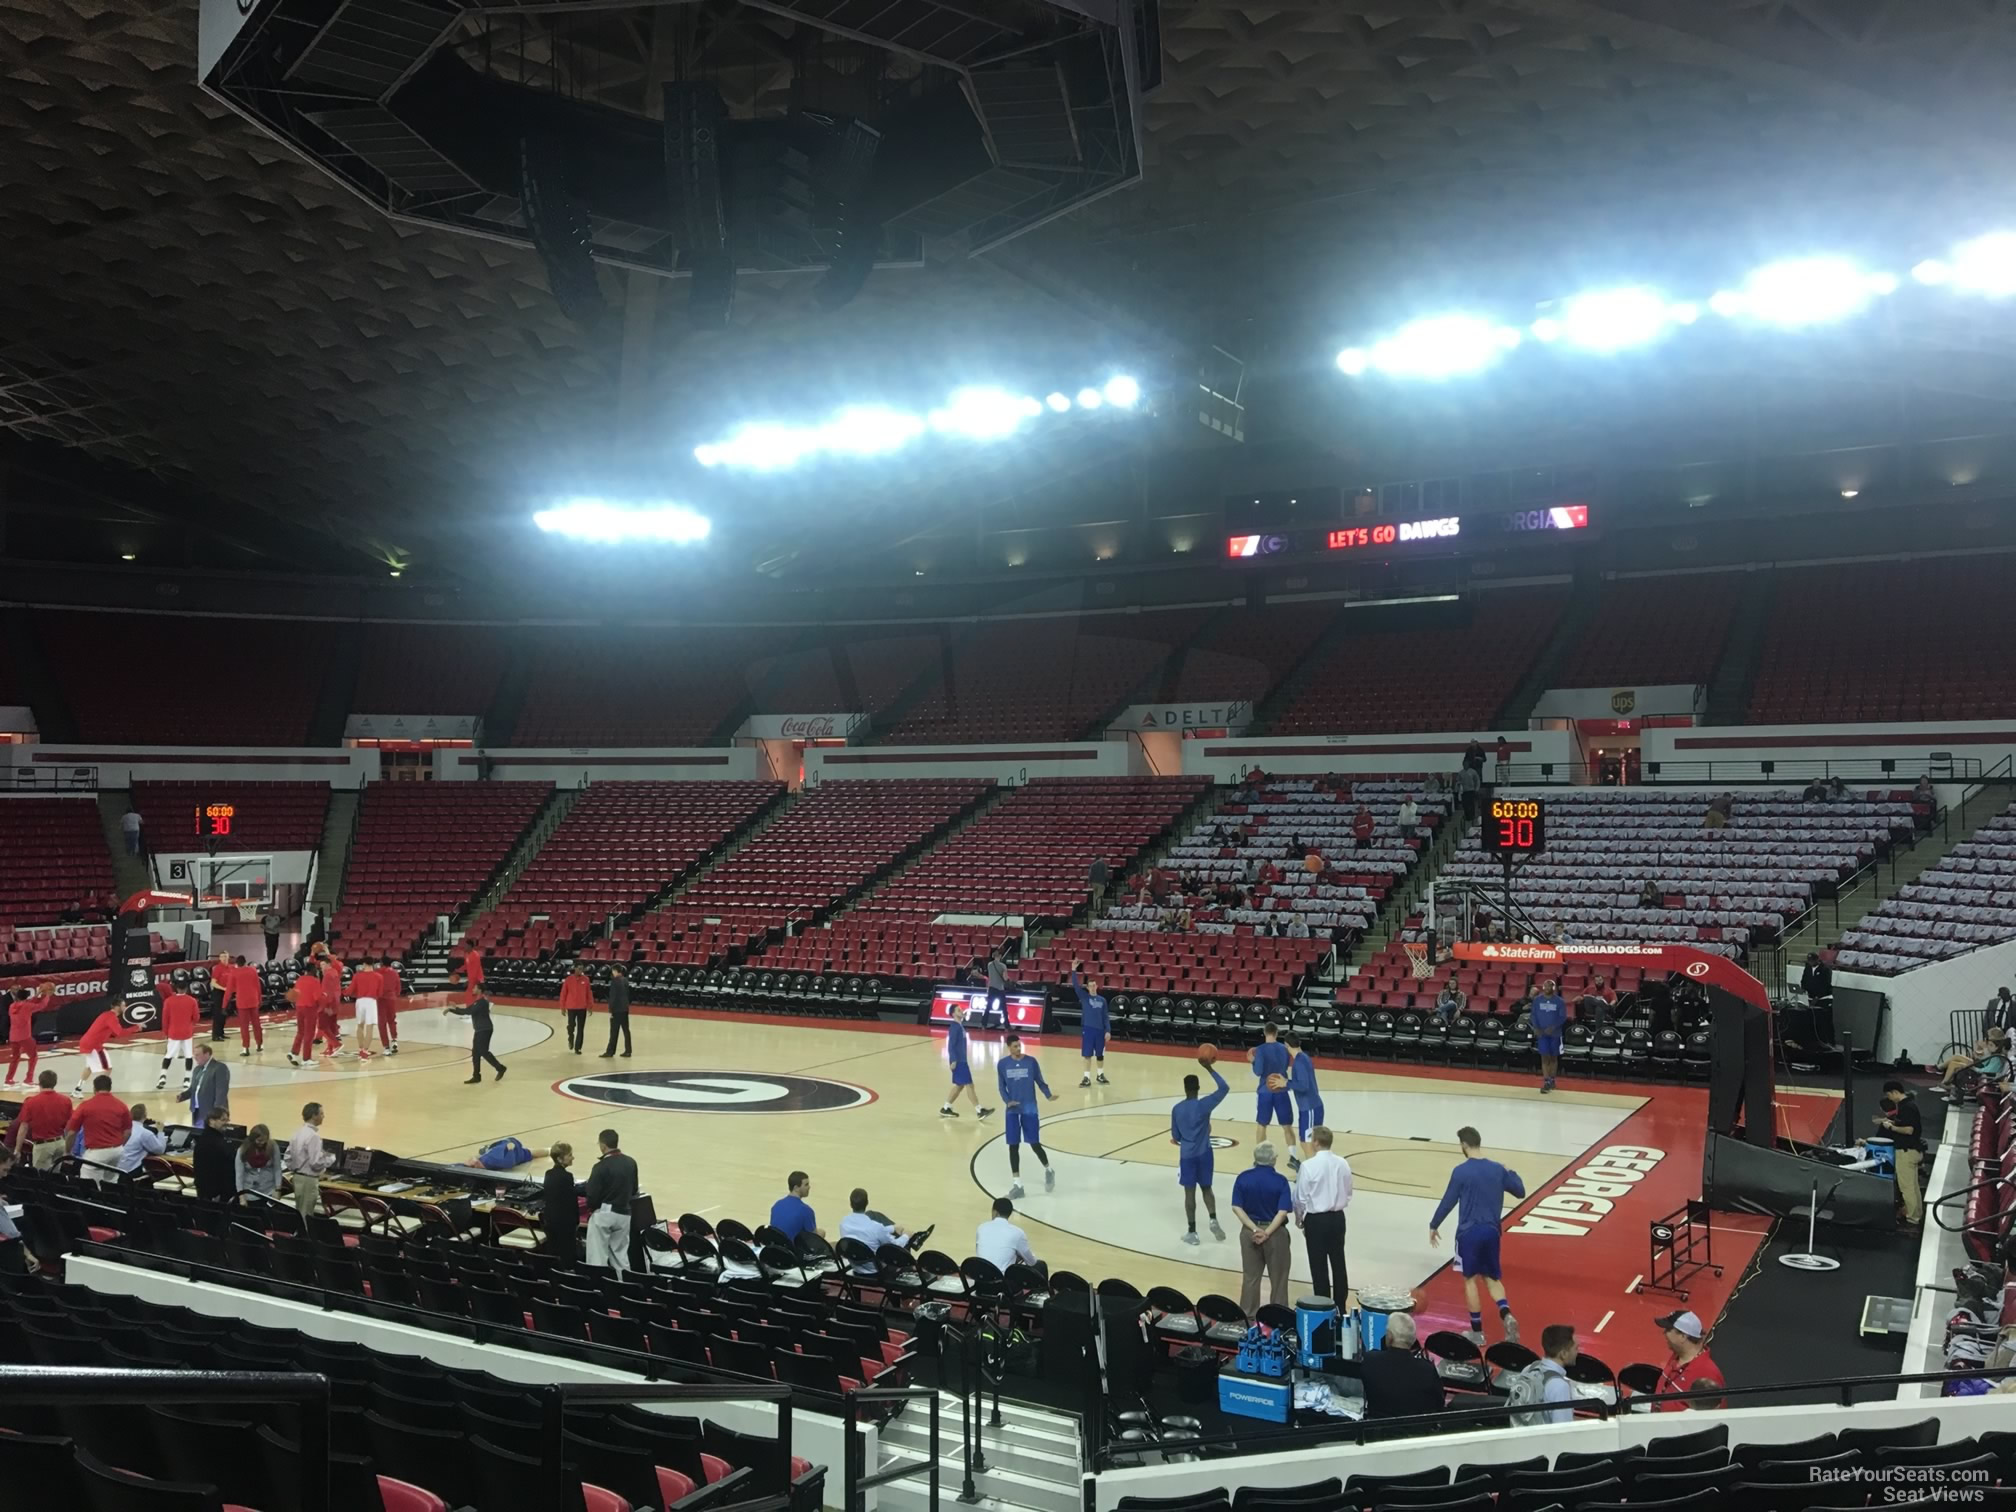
1585 1199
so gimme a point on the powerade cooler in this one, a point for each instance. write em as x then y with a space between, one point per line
1316 1333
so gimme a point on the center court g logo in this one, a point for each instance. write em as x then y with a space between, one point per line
716 1092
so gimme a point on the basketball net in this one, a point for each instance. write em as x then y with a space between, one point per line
1417 958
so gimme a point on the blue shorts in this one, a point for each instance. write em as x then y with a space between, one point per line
1091 1043
1195 1170
1547 1044
1023 1127
962 1074
1308 1114
1477 1253
1274 1108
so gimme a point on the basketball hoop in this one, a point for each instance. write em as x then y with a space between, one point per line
1417 958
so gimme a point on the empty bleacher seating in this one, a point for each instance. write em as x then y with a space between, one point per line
1242 653
90 654
1653 630
429 669
1387 980
669 687
831 843
1029 856
1888 640
1965 902
424 849
1720 888
619 846
52 858
1221 966
1044 678
1440 676
269 816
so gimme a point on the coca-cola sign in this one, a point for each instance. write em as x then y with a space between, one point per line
803 726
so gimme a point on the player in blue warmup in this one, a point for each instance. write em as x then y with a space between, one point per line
1021 1079
1190 1132
1477 1191
962 1071
1270 1066
1548 1013
1092 1026
1308 1101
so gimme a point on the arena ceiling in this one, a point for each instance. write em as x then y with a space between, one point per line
293 378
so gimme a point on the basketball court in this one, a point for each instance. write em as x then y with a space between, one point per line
718 1109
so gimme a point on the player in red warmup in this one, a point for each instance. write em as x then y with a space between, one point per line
471 968
306 996
21 1028
179 1012
103 1031
248 990
389 988
364 988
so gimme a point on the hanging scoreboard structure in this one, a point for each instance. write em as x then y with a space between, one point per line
1515 826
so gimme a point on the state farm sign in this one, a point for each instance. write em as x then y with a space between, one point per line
803 726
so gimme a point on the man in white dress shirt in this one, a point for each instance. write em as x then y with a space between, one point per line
1001 1243
1322 1192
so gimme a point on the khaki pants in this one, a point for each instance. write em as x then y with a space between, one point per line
44 1153
1273 1256
609 1240
1908 1188
103 1165
307 1191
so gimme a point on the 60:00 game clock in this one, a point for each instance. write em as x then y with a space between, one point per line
1515 826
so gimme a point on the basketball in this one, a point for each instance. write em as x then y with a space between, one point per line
1276 1082
1207 1054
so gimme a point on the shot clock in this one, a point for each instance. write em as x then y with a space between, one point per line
1515 826
213 820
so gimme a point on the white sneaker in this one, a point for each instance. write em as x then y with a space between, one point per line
1191 1238
1049 1178
1216 1231
1015 1191
1511 1328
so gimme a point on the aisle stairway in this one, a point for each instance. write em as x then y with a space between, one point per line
1736 673
129 873
332 859
527 850
1032 1459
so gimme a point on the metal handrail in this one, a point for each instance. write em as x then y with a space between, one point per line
1382 1429
855 1481
88 1386
420 1317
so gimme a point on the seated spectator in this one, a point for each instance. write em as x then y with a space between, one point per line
1596 1007
1001 1242
1649 896
1989 1058
258 1163
1924 792
791 1215
142 1140
874 1230
1450 1002
1297 929
1815 791
1558 1352
1837 789
1400 1381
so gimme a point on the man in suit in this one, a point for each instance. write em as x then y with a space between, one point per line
209 1091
